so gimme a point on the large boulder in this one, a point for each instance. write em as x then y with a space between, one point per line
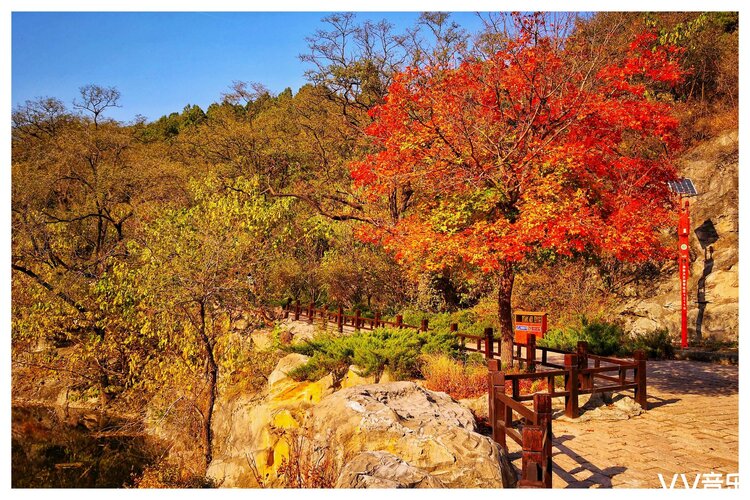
394 434
426 430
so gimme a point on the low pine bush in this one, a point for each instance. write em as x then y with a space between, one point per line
604 338
373 351
657 344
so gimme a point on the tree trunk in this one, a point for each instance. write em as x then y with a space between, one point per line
104 399
504 313
212 372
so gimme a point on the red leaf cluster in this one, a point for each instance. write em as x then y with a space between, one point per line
537 147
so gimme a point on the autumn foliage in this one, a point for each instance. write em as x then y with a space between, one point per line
539 149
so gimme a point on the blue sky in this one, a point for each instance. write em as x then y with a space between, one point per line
162 61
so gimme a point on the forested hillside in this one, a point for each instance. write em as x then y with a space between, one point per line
435 171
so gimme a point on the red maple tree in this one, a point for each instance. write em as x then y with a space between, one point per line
536 149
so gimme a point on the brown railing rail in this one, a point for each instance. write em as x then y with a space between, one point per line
579 377
338 318
581 373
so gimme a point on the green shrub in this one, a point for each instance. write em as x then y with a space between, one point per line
657 344
564 339
467 319
604 338
372 351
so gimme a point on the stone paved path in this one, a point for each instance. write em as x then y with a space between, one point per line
691 427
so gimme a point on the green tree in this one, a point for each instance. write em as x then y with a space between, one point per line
190 274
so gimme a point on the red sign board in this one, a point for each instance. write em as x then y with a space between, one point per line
529 322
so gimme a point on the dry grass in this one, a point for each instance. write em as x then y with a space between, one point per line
467 380
166 474
700 123
308 465
459 380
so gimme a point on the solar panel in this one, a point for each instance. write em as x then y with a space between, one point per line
683 187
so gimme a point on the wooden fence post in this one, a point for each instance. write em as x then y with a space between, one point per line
423 326
399 321
531 353
287 307
497 409
311 312
492 368
296 311
377 320
488 354
571 386
461 340
356 319
532 456
340 319
640 378
582 351
543 409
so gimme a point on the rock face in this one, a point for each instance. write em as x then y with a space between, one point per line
425 429
714 282
250 430
394 434
379 469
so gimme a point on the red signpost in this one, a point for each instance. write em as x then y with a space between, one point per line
683 231
683 188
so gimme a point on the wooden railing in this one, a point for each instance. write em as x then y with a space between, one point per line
535 436
581 373
338 318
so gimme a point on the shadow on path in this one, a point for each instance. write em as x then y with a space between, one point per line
598 477
692 377
656 402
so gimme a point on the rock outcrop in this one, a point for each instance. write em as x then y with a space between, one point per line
714 282
425 429
250 431
394 434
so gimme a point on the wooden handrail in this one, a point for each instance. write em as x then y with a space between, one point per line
517 407
352 319
548 349
470 336
614 361
604 369
535 375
